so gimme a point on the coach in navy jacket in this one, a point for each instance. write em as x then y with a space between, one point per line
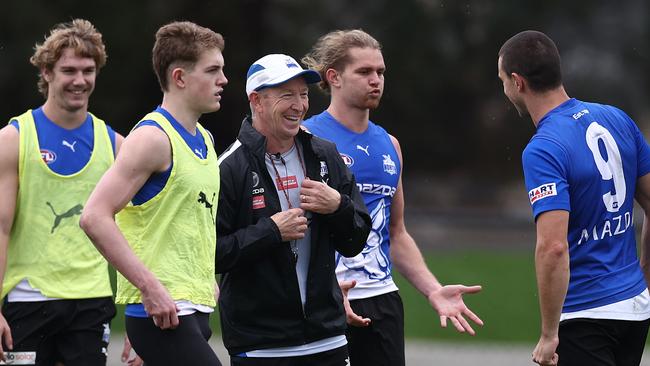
260 303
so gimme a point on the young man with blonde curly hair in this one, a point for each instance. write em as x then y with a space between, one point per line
58 295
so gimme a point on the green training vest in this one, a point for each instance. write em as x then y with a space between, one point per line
174 232
46 244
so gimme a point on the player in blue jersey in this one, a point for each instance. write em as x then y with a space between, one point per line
58 301
352 69
583 168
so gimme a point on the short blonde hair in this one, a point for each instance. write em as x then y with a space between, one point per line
80 35
331 51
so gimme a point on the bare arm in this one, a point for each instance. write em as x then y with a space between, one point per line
119 139
643 198
552 269
9 142
407 258
144 152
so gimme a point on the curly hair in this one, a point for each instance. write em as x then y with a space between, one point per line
80 35
331 51
181 42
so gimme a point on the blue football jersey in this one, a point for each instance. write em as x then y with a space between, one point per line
373 159
586 158
65 151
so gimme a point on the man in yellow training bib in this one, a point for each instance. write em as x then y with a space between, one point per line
164 188
58 295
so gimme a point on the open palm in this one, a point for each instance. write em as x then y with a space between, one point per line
448 302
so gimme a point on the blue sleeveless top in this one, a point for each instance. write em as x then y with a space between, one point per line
373 159
65 151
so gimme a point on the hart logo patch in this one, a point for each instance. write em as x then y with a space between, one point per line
543 191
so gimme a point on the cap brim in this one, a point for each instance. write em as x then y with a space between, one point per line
310 77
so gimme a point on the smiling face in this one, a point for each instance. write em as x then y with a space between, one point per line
361 83
205 82
279 110
71 81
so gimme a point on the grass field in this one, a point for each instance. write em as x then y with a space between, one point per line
507 304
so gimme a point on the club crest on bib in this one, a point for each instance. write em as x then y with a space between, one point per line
48 156
389 165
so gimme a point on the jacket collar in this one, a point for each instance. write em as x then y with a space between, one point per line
256 142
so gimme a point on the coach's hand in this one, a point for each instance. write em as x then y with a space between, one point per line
544 353
318 197
352 318
448 302
5 337
292 223
160 306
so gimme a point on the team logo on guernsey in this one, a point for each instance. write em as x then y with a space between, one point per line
48 156
389 165
347 159
541 192
256 179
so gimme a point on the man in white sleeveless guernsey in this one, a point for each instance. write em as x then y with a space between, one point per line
58 296
164 188
352 68
287 204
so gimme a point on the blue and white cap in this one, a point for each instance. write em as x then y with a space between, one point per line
275 69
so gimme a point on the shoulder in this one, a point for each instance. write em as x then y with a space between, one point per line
315 124
377 128
395 142
542 149
234 154
309 122
9 135
146 149
147 140
9 145
321 144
